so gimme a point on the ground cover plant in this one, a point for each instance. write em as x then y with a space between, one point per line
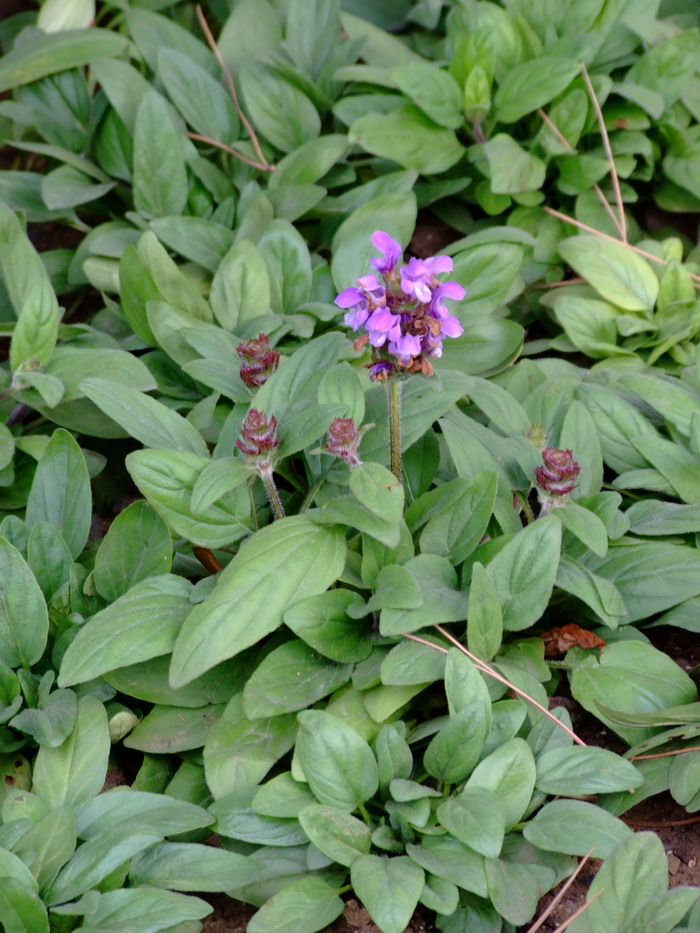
307 523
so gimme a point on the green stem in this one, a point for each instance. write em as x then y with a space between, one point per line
395 426
525 506
311 495
266 476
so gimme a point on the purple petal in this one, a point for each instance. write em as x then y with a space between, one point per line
355 319
349 297
390 249
408 345
439 264
451 326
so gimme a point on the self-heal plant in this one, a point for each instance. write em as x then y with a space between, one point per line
405 321
258 442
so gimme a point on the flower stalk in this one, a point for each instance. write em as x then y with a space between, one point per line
394 386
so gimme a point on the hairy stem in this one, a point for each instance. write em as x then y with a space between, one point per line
395 426
266 476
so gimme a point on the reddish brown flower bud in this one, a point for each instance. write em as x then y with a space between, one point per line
258 360
258 434
342 440
557 475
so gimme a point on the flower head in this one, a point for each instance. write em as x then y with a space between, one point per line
258 360
403 316
258 435
342 440
557 475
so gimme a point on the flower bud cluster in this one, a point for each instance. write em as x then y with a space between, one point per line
342 440
258 435
258 360
558 473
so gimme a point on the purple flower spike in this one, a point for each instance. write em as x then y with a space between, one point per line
391 252
400 310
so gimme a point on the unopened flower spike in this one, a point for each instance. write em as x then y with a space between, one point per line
258 443
258 360
343 439
556 477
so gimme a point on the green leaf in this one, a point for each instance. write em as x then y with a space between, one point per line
453 752
146 419
160 178
51 724
487 272
574 827
216 479
585 525
282 796
484 616
441 602
336 833
651 577
136 546
144 910
408 137
291 677
282 563
239 751
323 623
455 530
394 212
167 478
337 763
631 677
515 888
433 90
141 624
533 84
288 263
476 818
36 331
22 268
76 769
653 517
304 906
201 100
282 113
511 168
44 55
523 573
158 812
634 875
173 729
190 866
49 558
342 385
509 773
451 860
21 909
616 273
24 622
599 594
96 859
60 493
668 66
677 465
578 771
389 888
203 241
51 842
310 162
240 290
